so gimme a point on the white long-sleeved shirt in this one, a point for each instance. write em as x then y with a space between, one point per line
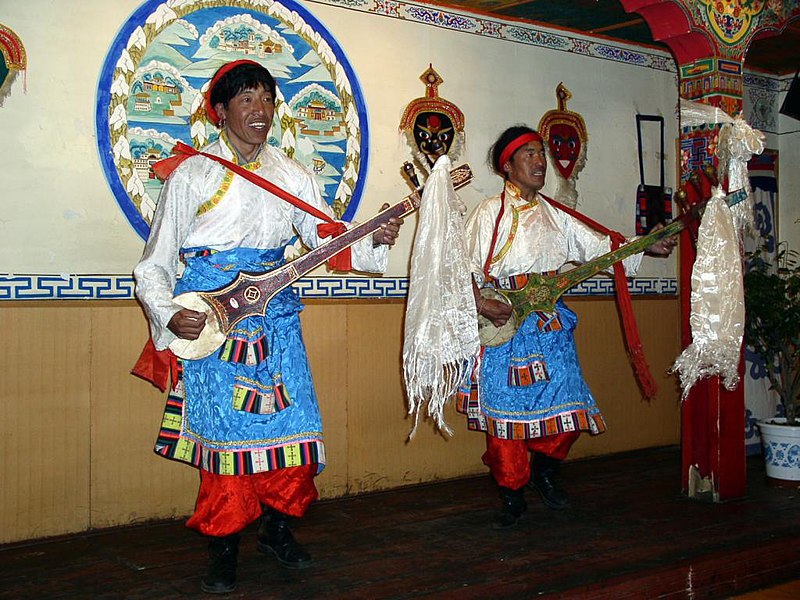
532 237
204 205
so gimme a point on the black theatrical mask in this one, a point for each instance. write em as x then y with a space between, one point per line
433 134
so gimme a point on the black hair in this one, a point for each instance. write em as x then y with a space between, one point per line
242 77
508 136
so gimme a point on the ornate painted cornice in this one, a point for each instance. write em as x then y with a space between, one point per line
508 30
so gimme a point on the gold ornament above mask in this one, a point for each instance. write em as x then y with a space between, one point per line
431 125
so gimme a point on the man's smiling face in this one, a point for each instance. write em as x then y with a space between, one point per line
248 118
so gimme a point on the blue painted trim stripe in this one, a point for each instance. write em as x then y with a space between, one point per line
121 287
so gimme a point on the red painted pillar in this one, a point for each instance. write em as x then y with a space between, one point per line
712 418
709 41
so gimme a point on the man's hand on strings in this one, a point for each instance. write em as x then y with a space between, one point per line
496 311
662 248
187 323
388 232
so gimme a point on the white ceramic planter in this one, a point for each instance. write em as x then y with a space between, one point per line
781 449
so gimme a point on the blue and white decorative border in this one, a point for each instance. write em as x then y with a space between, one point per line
120 287
512 31
762 82
761 93
65 287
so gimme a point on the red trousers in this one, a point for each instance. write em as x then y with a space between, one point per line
509 462
226 504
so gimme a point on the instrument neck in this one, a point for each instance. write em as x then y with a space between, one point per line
322 253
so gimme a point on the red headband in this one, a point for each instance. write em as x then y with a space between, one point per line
221 72
515 145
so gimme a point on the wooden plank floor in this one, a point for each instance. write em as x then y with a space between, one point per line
630 534
785 591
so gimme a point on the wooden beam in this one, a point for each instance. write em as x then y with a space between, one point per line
616 26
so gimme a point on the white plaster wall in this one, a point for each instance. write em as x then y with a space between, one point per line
496 84
59 215
788 179
58 212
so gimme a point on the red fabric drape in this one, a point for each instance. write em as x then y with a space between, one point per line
488 263
157 366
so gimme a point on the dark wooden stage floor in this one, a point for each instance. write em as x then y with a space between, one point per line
630 534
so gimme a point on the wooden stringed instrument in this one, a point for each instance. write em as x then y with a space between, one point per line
543 291
250 293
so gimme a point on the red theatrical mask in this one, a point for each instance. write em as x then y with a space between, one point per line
565 147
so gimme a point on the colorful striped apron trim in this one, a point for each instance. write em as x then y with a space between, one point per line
528 371
249 396
248 352
467 404
248 462
239 462
580 420
563 423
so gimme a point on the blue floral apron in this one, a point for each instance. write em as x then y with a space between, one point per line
249 407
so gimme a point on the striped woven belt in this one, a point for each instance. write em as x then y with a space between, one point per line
196 253
516 282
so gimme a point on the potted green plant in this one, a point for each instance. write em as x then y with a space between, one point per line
772 329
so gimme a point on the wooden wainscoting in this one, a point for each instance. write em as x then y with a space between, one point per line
77 429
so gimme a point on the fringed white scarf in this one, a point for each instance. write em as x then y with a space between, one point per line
717 298
440 345
736 144
717 301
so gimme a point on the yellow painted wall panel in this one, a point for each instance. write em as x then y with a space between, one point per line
325 334
381 456
77 429
129 482
632 421
44 421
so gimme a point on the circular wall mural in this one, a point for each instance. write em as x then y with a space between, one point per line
150 94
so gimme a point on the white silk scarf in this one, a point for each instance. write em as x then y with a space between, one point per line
440 345
717 301
717 298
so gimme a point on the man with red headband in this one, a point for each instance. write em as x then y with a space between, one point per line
529 395
246 416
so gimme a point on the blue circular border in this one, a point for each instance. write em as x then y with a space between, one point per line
106 156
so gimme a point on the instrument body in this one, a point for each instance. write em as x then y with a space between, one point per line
543 291
488 333
249 293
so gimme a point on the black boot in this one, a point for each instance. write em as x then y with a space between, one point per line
544 469
221 575
512 508
275 538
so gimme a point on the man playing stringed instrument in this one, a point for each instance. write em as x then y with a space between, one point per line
246 416
529 395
